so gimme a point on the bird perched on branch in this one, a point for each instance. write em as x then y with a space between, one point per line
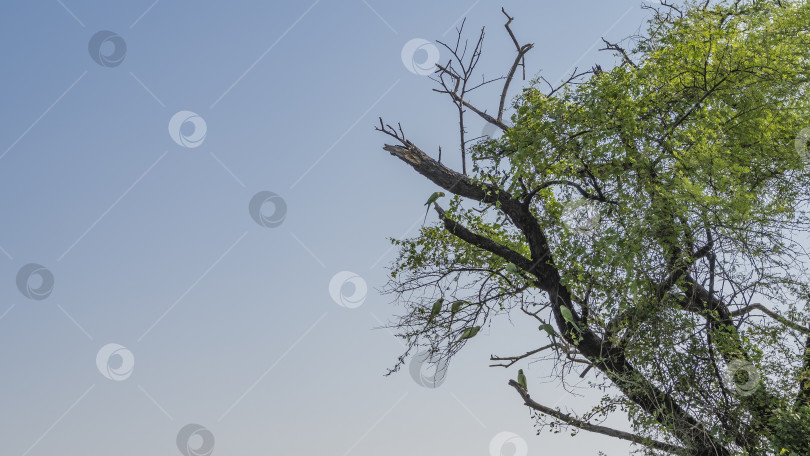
433 198
454 308
551 334
437 307
522 380
569 317
469 333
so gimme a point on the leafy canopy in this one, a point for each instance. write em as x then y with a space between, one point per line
672 193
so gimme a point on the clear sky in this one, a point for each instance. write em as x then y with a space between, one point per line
135 136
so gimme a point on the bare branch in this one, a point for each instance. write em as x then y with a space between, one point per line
615 47
513 359
519 60
585 194
462 79
772 314
576 422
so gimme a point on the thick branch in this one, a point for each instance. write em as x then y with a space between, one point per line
521 55
462 185
483 242
443 176
803 398
760 402
771 314
606 357
576 422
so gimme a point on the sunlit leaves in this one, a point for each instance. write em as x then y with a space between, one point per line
691 146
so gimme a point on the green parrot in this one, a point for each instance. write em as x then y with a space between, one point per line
437 307
433 198
469 332
457 305
569 317
510 267
522 380
550 331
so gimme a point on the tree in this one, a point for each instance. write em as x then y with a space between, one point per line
649 218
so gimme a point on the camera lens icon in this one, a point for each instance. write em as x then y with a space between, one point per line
99 48
184 120
491 131
802 141
115 362
347 279
27 277
746 383
262 200
436 372
504 439
195 440
581 216
420 56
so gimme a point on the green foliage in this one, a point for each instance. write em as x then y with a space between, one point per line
690 144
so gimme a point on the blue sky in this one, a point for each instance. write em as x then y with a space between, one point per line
219 320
